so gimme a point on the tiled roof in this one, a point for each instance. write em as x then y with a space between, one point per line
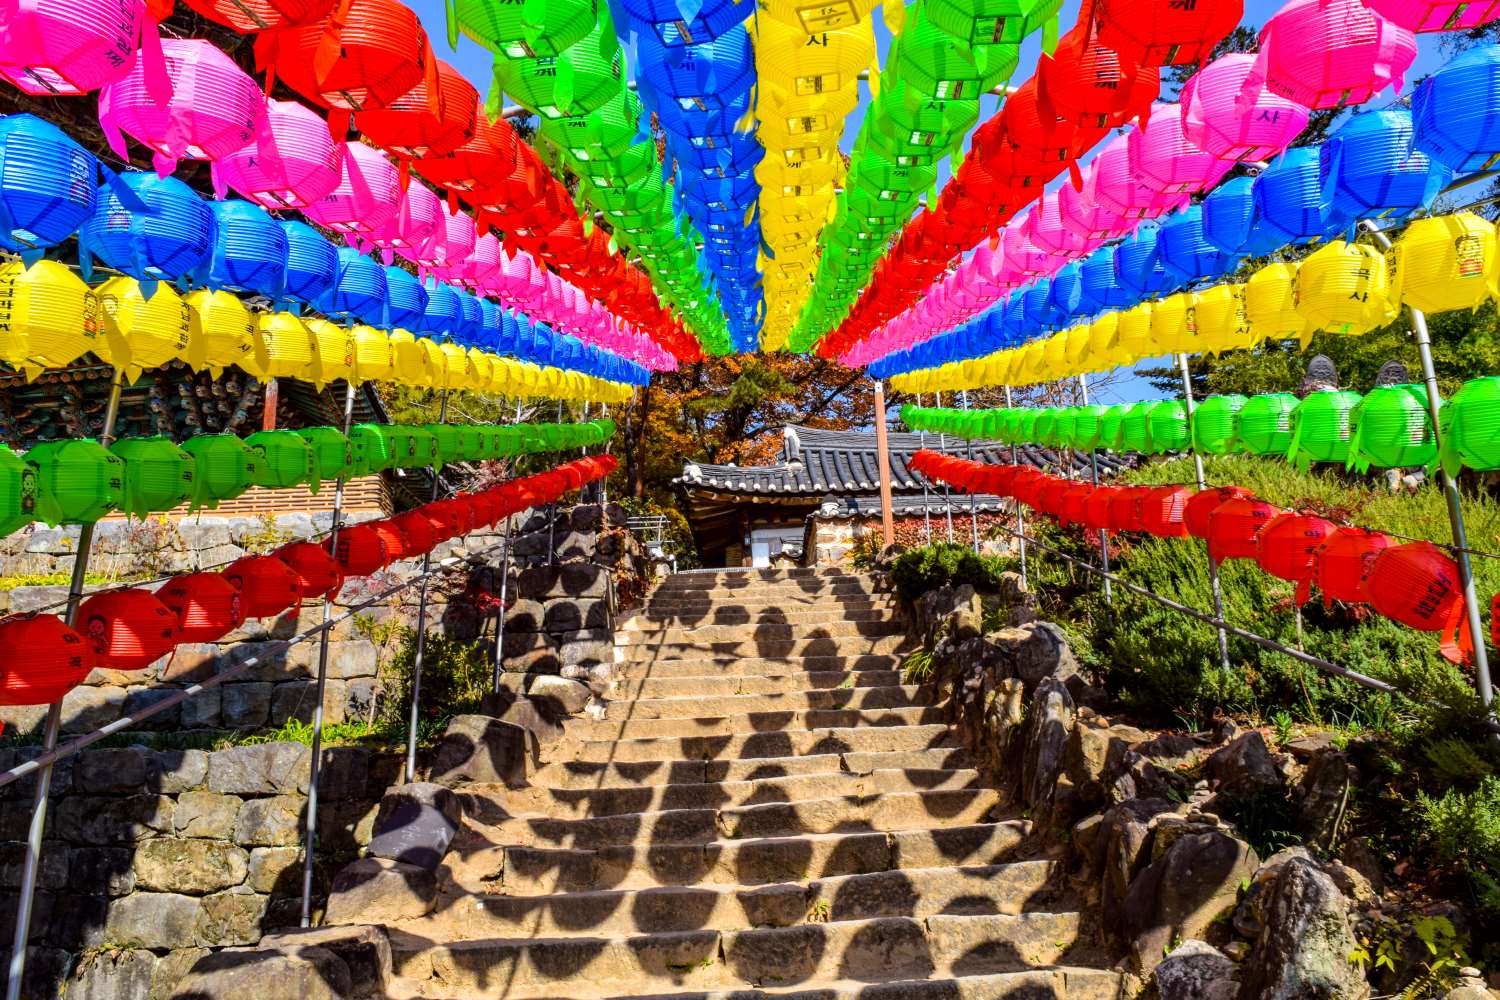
935 504
816 462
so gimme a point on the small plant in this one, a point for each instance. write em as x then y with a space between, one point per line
1383 949
819 912
1463 830
917 571
266 537
917 666
865 553
1284 725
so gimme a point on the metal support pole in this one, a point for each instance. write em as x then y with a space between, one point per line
1015 459
973 498
31 863
926 493
420 646
1454 499
1189 404
552 511
883 463
1109 593
947 495
310 833
504 580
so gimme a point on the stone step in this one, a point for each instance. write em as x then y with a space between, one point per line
715 686
1065 983
730 593
759 633
616 774
652 620
754 722
886 811
1006 889
885 949
750 607
687 707
575 803
790 648
758 665
532 871
785 743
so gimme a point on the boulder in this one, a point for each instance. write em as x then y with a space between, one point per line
310 973
959 608
155 920
124 974
1184 891
365 951
381 891
479 748
1196 971
560 695
416 824
1322 797
1095 751
193 867
1034 651
1302 952
1049 721
1245 768
1125 831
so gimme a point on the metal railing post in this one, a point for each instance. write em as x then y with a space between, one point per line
1109 593
926 493
1189 405
973 498
1015 459
420 644
947 494
504 581
552 512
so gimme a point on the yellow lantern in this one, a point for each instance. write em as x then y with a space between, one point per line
223 331
1271 303
1447 262
1173 326
1222 320
1133 335
373 360
334 345
288 344
460 373
52 316
1345 288
141 332
1102 332
815 17
411 364
484 368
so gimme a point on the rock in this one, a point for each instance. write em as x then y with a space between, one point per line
561 695
524 616
570 614
416 824
232 918
353 658
157 920
343 773
308 974
1048 724
956 607
206 814
1303 949
365 951
380 891
264 769
523 712
1196 971
1034 651
1322 798
270 822
1358 855
193 867
172 772
1095 750
1245 768
110 870
1183 892
170 968
88 708
88 820
478 748
113 975
1124 836
275 870
119 771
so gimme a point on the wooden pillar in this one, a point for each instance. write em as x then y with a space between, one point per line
883 450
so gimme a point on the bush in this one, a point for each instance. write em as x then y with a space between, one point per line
455 676
1463 830
917 571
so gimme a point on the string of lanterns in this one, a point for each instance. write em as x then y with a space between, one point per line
1415 583
129 629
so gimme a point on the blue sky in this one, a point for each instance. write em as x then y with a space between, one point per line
474 62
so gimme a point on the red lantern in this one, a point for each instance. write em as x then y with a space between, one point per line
359 550
396 547
1125 509
1049 499
1162 511
1166 32
246 16
1234 526
1287 545
488 153
317 574
267 585
129 629
419 124
1075 503
1039 134
416 531
1342 561
1096 511
1417 584
1089 83
1195 514
207 606
44 659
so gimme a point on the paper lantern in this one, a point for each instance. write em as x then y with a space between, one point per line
312 262
396 547
1215 422
1138 265
316 572
158 474
1287 546
17 492
284 459
364 55
406 298
128 629
366 197
1289 202
1162 510
1471 427
1201 505
1135 429
358 291
1271 303
332 453
1112 425
1119 189
1165 32
1125 509
1235 526
1418 585
1391 429
520 32
1320 427
417 218
142 332
1164 158
373 360
1090 84
375 446
77 481
1436 15
1342 561
165 232
593 70
46 659
416 528
1187 254
207 606
1224 118
679 25
358 549
47 185
52 317
333 347
424 121
286 346
411 364
257 15
61 48
1345 288
213 111
250 253
490 153
291 161
224 468
1230 220
1457 110
1327 53
1447 262
1370 168
267 585
1168 426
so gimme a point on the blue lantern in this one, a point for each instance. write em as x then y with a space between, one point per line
443 316
678 23
166 234
1138 266
250 254
406 299
1187 254
1036 305
1457 111
1229 220
1098 285
48 185
1289 199
1370 168
709 74
358 290
471 325
311 262
491 318
1067 292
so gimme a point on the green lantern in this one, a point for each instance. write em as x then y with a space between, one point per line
924 127
507 442
1135 429
223 468
1067 427
1026 426
423 447
1214 423
446 437
17 492
1471 427
935 64
285 459
1265 423
470 444
333 454
1112 426
522 30
158 474
602 135
373 450
1320 428
1044 430
1390 429
987 22
1086 430
1168 425
575 81
77 481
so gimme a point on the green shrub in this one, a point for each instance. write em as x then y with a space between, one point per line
1463 830
917 571
455 676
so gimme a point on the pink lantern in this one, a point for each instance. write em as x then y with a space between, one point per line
1162 157
1118 189
368 194
292 162
480 269
1048 231
1436 15
414 222
1324 53
214 110
1080 211
1223 119
1025 256
70 47
449 244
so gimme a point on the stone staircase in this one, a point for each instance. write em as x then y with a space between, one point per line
762 810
